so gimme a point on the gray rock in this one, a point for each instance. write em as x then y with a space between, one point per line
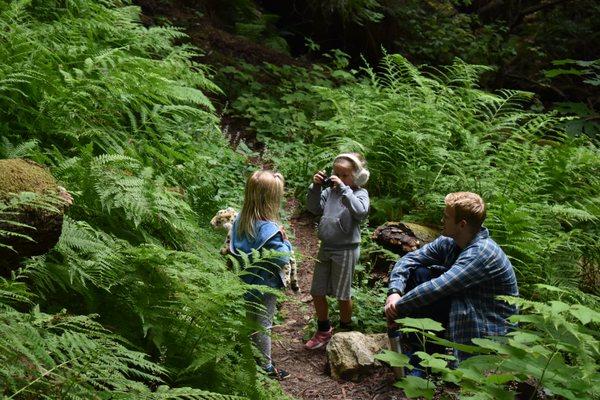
351 354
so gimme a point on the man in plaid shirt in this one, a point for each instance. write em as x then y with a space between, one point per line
455 279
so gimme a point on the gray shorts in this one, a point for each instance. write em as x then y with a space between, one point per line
333 273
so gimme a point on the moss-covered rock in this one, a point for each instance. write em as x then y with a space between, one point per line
43 225
424 234
21 175
397 238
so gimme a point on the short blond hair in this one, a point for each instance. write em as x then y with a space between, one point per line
468 206
262 200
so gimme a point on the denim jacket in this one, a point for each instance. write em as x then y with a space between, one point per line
268 271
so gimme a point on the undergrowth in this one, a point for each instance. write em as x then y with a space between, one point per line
135 300
425 134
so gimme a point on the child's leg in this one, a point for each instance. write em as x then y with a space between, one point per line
342 270
264 318
319 289
321 307
345 312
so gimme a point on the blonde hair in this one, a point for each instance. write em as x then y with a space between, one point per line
468 206
262 199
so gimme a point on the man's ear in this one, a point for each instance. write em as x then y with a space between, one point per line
463 224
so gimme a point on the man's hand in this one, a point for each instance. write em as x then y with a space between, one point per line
390 306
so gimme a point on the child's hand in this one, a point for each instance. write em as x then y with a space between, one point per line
336 180
319 177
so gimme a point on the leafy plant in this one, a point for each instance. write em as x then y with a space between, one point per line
122 117
61 356
585 120
556 347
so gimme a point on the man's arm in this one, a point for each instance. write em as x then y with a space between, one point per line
431 254
470 269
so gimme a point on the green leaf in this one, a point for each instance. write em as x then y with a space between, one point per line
416 387
549 288
524 337
426 324
500 378
479 396
341 74
472 367
393 359
556 72
584 314
568 61
459 346
431 361
490 344
558 307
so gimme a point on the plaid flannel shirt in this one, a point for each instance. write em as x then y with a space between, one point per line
472 278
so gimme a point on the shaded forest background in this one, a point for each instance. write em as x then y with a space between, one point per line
546 47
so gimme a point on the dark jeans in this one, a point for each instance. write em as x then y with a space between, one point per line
438 311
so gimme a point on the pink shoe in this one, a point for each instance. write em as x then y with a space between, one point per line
319 339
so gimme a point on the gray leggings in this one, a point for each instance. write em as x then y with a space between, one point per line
262 311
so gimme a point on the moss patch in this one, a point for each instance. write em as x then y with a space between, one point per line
424 233
20 175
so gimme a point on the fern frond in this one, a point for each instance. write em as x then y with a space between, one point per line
188 94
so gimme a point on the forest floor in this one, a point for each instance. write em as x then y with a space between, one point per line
309 378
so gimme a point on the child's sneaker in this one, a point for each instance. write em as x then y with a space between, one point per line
319 339
277 373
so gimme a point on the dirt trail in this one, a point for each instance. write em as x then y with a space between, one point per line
309 376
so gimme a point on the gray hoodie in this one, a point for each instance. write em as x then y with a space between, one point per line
342 209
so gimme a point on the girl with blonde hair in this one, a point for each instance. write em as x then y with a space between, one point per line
257 228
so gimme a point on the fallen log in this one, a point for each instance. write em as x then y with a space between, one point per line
403 237
399 238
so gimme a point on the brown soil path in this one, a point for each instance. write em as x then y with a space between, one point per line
309 376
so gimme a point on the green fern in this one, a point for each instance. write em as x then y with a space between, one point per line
427 134
122 117
62 356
